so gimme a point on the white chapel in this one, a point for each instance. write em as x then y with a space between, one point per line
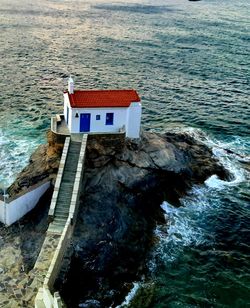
102 111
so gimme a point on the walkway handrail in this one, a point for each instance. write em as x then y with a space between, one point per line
58 256
53 124
78 180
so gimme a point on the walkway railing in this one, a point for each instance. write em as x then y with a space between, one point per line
78 180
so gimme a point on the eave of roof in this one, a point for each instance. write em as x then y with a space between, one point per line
102 98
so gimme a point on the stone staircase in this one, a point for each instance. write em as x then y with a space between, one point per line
62 214
66 189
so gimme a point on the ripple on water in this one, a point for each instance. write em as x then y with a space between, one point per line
189 62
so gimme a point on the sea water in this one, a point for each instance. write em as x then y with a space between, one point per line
189 62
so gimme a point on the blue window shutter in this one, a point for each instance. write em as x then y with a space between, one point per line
109 118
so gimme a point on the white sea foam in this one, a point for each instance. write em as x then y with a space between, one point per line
230 155
130 296
186 225
230 163
183 228
182 220
215 182
14 153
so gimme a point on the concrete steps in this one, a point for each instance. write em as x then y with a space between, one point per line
66 189
56 242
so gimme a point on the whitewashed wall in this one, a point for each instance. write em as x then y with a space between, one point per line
120 117
133 124
67 104
129 117
17 208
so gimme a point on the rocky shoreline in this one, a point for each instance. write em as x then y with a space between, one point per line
120 207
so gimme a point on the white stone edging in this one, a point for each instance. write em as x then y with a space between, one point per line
55 121
78 179
15 208
58 255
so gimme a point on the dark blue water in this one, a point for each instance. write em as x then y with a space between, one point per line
190 63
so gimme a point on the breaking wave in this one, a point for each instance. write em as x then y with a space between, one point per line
185 224
14 153
208 224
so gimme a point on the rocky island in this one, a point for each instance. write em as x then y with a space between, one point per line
125 183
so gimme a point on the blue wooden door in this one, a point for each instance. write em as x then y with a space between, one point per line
84 122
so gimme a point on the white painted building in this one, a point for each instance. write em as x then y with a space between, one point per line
102 111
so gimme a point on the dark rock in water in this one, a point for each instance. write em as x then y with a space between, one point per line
121 206
125 183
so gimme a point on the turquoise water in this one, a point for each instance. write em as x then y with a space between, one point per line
190 63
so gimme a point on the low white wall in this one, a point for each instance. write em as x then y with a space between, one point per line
2 212
17 208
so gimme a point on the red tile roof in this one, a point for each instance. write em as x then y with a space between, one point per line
102 98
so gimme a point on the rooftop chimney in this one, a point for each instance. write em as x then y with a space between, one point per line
71 85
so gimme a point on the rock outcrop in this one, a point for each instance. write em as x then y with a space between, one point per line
43 164
125 183
120 207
